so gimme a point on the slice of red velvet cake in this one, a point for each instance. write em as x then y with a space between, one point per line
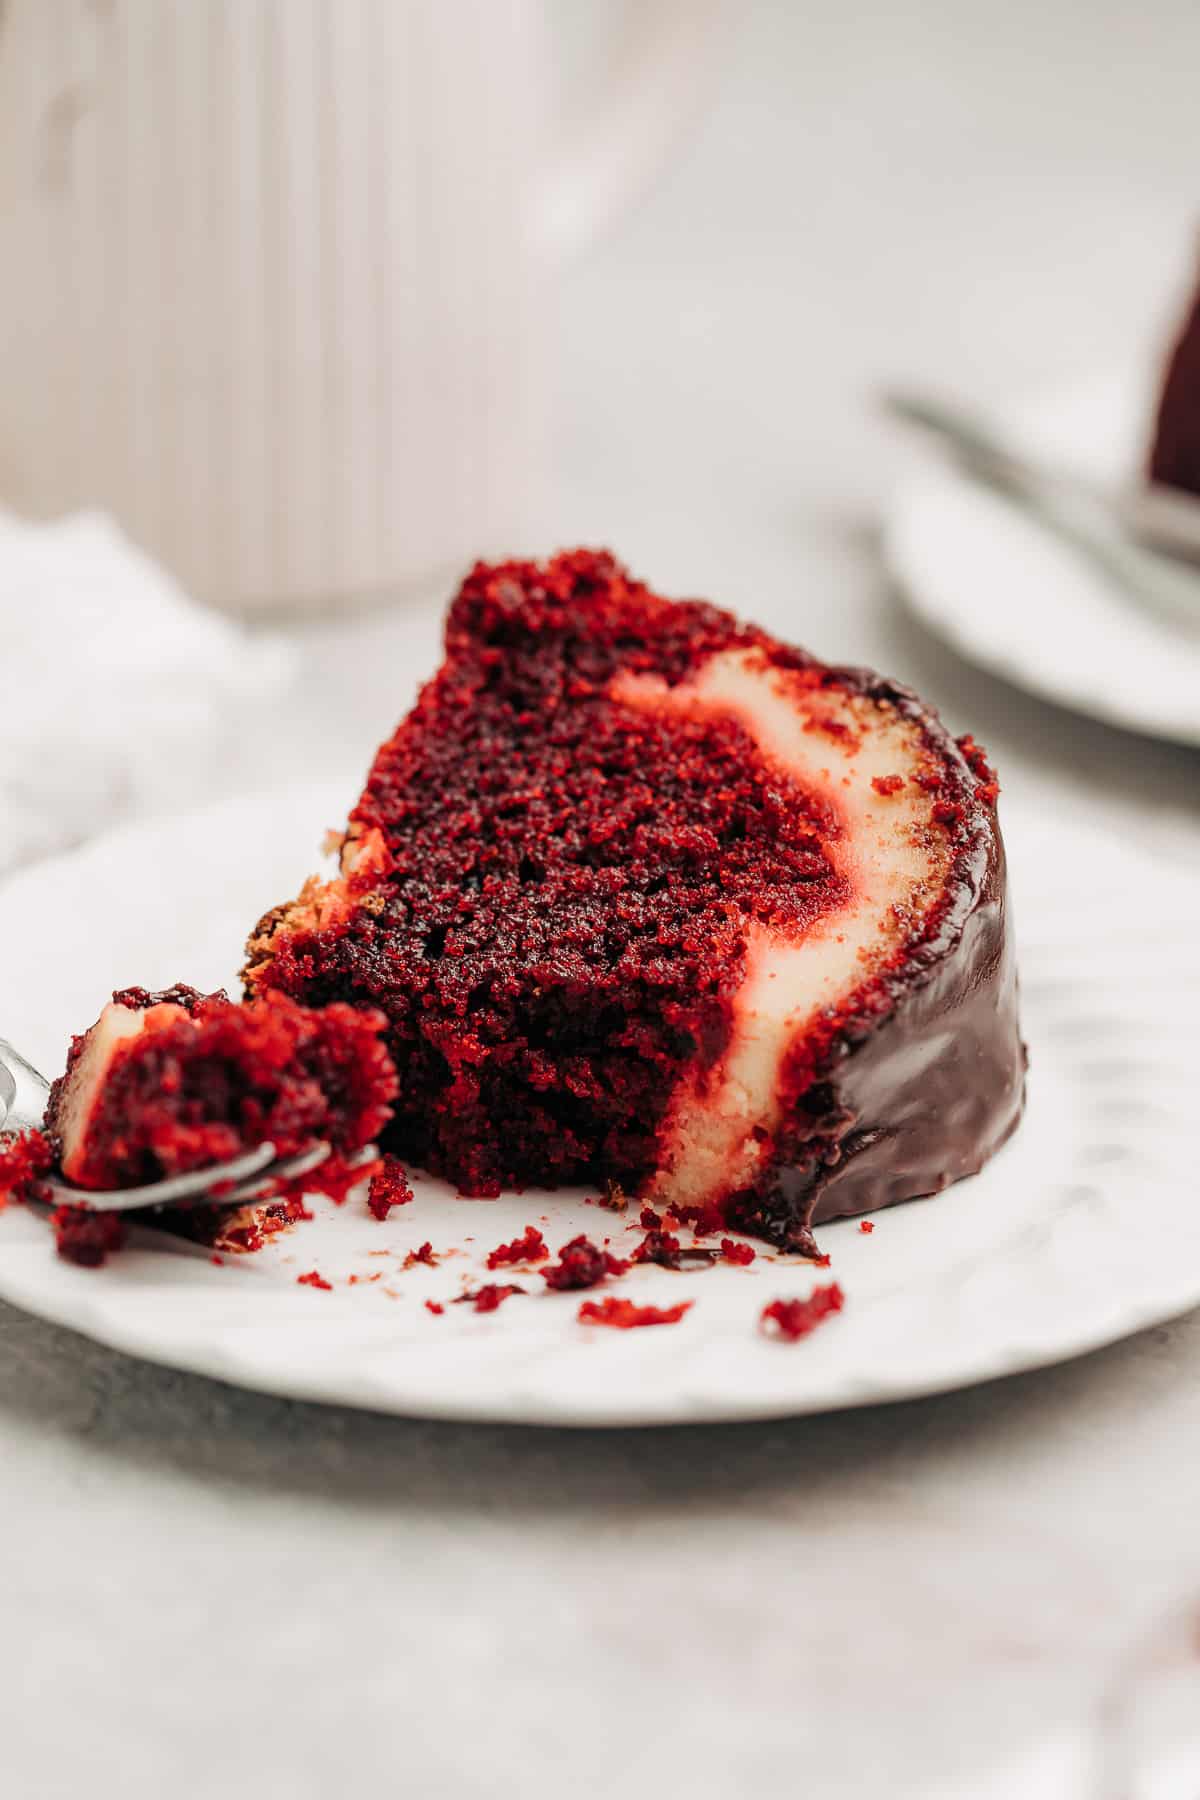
648 897
164 1083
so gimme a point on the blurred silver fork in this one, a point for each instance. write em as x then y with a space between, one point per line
255 1176
1144 539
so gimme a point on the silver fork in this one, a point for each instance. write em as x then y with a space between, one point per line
255 1176
1144 540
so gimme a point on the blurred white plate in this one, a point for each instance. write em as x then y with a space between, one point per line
1008 595
1084 1228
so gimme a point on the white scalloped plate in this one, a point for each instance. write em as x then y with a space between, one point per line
1084 1229
1009 596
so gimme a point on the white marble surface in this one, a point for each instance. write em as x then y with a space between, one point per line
207 1593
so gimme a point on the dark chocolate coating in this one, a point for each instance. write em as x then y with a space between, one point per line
939 1085
926 1094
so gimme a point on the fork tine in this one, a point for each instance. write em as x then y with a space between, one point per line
254 1176
266 1183
291 1169
195 1185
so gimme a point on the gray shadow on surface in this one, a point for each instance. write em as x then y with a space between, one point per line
54 1382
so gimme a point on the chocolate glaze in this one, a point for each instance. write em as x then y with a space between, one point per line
928 1093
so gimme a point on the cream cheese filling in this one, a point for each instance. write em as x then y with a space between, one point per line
834 745
114 1028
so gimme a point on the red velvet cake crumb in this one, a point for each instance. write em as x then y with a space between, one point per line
737 1253
626 1315
389 1187
288 1210
704 1220
648 1219
887 784
424 1255
435 1307
866 1228
792 1319
529 1247
244 1231
313 1280
490 1296
87 1238
24 1160
581 1264
987 787
336 1178
660 1247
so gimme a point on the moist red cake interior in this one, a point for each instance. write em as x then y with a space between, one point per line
561 947
207 1078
